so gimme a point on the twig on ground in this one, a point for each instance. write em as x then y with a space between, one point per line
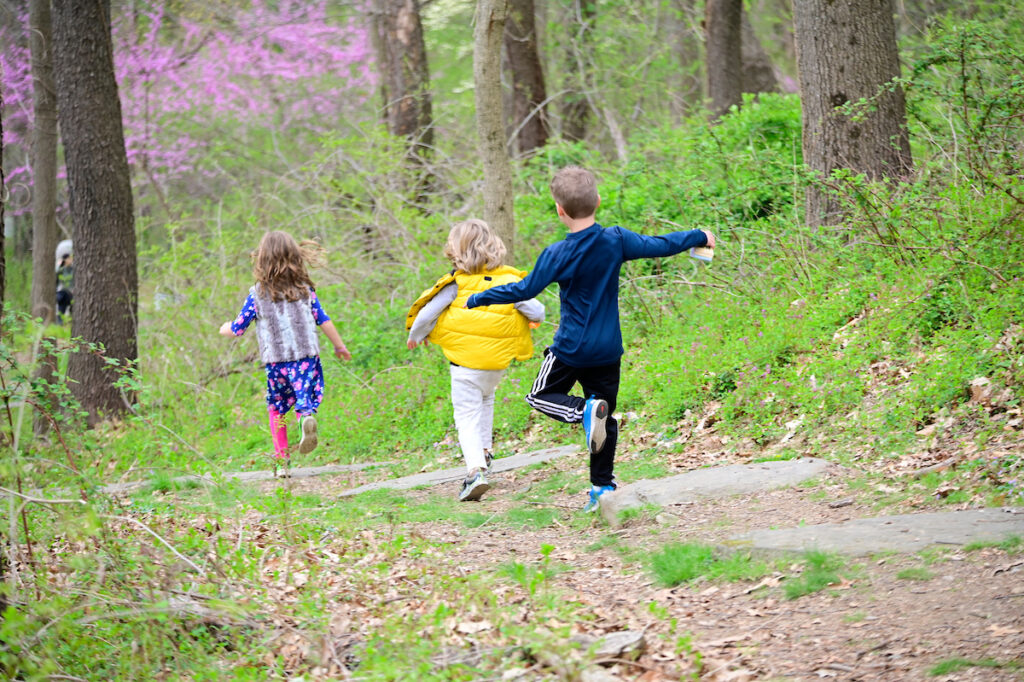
155 535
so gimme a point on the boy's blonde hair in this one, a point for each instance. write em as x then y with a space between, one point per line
473 247
279 266
575 190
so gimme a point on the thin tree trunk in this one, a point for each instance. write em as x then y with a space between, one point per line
3 250
488 33
44 162
44 192
847 51
106 276
758 71
529 113
405 77
576 105
723 24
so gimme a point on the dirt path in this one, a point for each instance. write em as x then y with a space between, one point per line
874 625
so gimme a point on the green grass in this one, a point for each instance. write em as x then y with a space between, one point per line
1011 544
679 563
952 665
820 570
918 573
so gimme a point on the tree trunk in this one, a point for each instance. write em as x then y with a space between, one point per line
758 71
487 39
529 112
106 277
405 78
689 95
847 51
3 247
723 26
44 192
576 105
44 162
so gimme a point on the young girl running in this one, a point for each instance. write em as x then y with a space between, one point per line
287 313
480 344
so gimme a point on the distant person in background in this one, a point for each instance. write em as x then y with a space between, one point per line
479 344
587 348
287 313
65 279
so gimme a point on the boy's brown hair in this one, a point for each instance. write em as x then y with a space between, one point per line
575 190
279 266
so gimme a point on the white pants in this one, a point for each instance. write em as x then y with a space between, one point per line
473 404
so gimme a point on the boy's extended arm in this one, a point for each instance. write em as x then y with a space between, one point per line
340 351
530 286
426 318
643 246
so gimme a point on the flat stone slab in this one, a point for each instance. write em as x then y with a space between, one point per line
245 476
458 473
712 482
904 534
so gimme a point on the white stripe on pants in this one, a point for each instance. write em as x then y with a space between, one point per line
473 404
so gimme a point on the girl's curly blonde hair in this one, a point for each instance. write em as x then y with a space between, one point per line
279 266
474 247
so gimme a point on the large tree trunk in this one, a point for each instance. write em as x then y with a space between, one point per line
758 71
487 39
724 27
576 105
529 111
106 277
44 189
846 50
405 78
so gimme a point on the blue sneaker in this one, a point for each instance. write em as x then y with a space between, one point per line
595 496
594 415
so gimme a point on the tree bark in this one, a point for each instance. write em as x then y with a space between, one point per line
402 55
723 26
846 50
106 277
488 33
3 247
758 71
576 105
529 111
44 193
44 162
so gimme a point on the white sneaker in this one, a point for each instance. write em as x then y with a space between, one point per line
474 487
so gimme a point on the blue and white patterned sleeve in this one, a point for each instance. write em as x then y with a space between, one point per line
319 316
245 317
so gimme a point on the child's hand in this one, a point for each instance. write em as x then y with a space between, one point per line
225 329
341 352
711 239
534 325
411 345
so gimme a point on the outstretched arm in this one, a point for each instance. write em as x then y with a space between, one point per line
644 246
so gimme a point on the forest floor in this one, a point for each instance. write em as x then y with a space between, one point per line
891 616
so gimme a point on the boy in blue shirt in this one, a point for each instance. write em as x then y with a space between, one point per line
587 347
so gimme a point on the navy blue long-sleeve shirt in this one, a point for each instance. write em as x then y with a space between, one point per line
586 265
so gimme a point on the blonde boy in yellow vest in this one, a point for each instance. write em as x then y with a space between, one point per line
480 343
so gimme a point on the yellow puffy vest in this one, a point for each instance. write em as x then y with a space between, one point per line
487 337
